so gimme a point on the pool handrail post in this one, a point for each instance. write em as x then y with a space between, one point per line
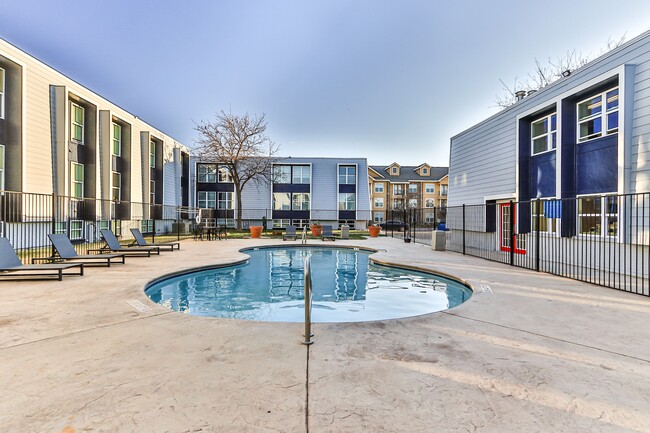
308 302
304 234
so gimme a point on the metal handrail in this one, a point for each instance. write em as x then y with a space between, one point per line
308 302
304 235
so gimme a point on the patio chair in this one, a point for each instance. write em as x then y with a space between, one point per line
139 240
11 266
112 244
290 233
327 233
66 252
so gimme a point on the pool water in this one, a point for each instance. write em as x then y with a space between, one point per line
347 287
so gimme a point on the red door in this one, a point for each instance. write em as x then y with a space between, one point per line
506 230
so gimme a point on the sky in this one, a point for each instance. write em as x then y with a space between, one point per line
386 80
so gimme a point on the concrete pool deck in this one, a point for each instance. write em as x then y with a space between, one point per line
529 352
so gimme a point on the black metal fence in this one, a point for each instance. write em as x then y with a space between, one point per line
602 240
27 218
414 224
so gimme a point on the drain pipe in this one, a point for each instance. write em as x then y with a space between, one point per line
308 302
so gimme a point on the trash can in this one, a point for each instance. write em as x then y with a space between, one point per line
345 231
438 240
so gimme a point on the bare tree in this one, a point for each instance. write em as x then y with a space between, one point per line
548 72
240 144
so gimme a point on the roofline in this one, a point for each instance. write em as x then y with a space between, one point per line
541 91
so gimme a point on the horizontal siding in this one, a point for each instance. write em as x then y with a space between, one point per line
482 158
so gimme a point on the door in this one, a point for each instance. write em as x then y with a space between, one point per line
506 230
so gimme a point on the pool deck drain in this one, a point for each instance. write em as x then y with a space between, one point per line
535 353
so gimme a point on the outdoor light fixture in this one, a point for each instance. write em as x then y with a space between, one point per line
566 73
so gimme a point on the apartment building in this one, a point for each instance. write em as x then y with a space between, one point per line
59 137
332 191
397 187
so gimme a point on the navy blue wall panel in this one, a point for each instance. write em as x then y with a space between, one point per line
542 175
597 165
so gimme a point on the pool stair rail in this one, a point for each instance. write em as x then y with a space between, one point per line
304 235
308 302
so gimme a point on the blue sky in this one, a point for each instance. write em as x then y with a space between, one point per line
386 80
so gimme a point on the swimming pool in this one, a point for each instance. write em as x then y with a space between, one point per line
347 287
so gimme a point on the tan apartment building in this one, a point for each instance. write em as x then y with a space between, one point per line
59 137
397 187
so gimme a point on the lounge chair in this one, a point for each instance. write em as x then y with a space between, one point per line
112 244
327 233
66 252
290 233
11 266
140 241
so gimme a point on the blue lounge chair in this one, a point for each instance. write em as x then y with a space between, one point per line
11 266
112 244
290 233
140 241
327 233
66 252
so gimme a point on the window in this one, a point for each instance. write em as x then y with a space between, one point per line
77 123
207 199
301 174
76 229
281 174
444 189
378 217
116 186
2 167
429 202
300 223
207 173
594 120
77 180
430 188
543 134
281 201
146 226
413 188
2 93
152 154
225 201
547 211
443 203
429 218
60 227
598 215
398 204
379 202
413 202
280 223
117 140
394 170
347 175
152 192
425 171
379 187
347 201
398 189
301 201
224 174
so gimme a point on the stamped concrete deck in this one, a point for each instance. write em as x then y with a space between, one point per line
536 354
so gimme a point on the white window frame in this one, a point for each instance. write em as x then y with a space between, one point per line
76 229
547 225
225 200
206 173
345 203
413 203
444 189
549 135
300 201
207 199
379 202
152 153
146 226
347 178
152 192
430 188
378 217
2 93
602 115
282 201
117 139
281 223
282 173
430 203
74 181
394 170
300 223
73 122
379 187
116 190
429 218
302 179
413 188
602 217
2 167
224 175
